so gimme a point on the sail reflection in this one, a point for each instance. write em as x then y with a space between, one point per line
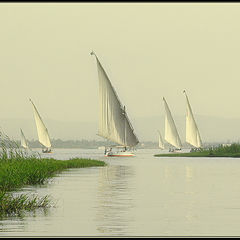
190 193
115 200
188 173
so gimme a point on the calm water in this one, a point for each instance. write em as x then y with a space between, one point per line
137 196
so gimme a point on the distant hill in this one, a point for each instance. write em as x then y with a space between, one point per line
212 129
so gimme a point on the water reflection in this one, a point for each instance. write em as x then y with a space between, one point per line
190 193
115 200
167 172
188 173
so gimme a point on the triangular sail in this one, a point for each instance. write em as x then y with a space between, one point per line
160 141
171 134
192 132
24 142
114 124
42 131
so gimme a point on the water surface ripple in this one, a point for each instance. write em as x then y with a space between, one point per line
136 196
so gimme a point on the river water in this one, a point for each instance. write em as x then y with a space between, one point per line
136 196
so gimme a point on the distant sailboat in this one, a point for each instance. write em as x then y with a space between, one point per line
43 136
192 132
24 142
114 124
160 141
171 134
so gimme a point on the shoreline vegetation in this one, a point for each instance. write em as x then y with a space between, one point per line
19 169
94 144
232 150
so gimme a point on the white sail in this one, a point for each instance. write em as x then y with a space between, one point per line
42 131
114 124
24 142
160 141
171 134
192 132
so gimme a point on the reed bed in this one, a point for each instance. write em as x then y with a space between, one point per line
15 205
16 173
18 168
221 150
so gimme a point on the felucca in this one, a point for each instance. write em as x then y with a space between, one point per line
24 142
114 124
192 132
160 141
43 136
171 134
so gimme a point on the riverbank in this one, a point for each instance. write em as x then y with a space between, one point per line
19 172
232 151
199 154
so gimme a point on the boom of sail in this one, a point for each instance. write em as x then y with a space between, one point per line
192 132
160 141
171 134
114 123
24 142
42 131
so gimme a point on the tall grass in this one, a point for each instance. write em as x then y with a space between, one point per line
16 173
18 168
10 204
221 150
232 149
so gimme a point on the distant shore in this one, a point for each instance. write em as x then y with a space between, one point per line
232 151
95 144
199 154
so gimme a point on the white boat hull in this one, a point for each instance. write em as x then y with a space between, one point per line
119 154
175 150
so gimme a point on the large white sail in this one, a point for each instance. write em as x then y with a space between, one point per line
114 124
171 134
42 131
24 142
192 132
160 141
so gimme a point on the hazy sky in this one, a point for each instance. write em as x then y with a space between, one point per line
149 50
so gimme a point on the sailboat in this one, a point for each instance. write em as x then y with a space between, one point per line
160 141
192 132
24 142
114 124
171 133
43 136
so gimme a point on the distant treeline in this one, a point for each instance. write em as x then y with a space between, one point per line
58 143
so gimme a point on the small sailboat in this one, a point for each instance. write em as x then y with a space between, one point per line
160 141
171 133
24 142
43 136
192 132
114 124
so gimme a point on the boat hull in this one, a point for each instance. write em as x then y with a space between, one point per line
119 154
46 151
175 150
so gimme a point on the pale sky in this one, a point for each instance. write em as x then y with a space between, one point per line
149 50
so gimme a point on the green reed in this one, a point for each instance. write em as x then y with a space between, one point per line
16 173
18 168
221 150
10 204
233 149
